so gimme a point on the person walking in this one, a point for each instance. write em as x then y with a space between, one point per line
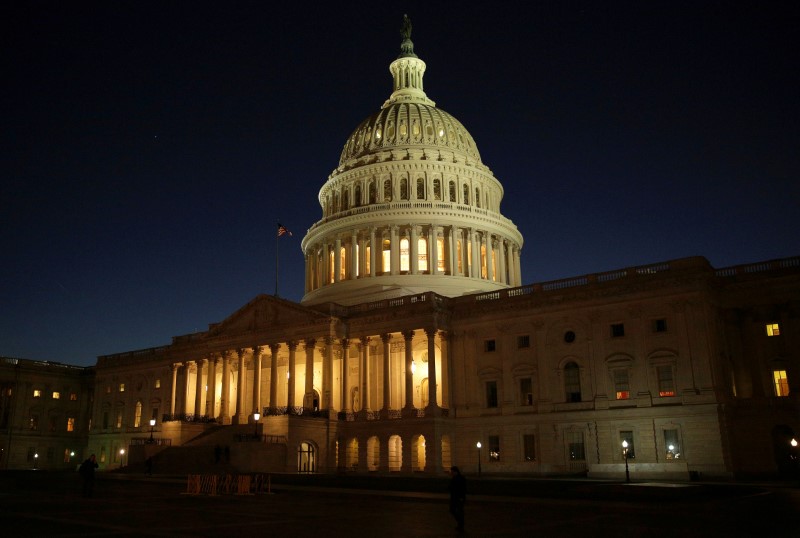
86 471
458 496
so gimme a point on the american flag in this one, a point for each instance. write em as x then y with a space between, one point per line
282 230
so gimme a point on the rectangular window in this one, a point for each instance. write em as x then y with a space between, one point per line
102 454
671 445
621 384
73 396
33 422
781 382
491 394
494 448
489 346
575 446
529 447
67 455
617 330
37 393
105 420
56 395
119 419
523 341
108 389
660 325
773 329
666 385
158 383
71 424
627 436
122 387
526 391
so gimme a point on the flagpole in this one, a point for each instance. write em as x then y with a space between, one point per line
277 237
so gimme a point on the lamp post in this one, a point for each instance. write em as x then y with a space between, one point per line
122 457
256 416
35 459
793 457
152 425
625 455
479 457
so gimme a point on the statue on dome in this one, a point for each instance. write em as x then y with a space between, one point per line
405 30
406 47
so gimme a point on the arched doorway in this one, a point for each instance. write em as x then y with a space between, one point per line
306 458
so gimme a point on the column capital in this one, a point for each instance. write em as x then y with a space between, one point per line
408 334
274 348
386 338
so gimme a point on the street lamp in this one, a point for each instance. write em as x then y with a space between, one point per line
35 459
121 457
256 416
152 425
479 457
625 455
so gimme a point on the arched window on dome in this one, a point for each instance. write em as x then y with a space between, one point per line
420 188
386 256
466 194
335 207
404 189
372 194
387 190
345 200
403 129
404 255
357 197
437 189
422 254
477 197
452 191
415 129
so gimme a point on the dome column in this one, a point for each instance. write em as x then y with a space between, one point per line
433 405
240 415
337 260
224 412
273 376
408 408
373 251
198 389
308 402
394 240
290 377
413 247
345 404
256 379
364 374
386 340
211 381
489 241
475 270
354 254
433 248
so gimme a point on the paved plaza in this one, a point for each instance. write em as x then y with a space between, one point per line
40 503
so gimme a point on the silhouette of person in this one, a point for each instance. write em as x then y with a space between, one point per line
458 496
86 471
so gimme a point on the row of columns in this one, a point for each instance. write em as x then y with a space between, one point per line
227 360
504 269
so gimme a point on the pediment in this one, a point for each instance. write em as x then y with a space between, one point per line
266 313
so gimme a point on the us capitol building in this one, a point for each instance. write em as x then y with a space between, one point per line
417 346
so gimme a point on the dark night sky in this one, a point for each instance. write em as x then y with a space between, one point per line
149 148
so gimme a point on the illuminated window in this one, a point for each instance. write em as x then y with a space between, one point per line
672 447
378 133
37 393
387 256
108 389
404 255
621 383
484 272
119 419
342 263
529 447
73 396
666 383
330 267
67 455
71 424
137 417
56 395
367 260
773 329
102 454
422 254
494 447
122 387
459 256
781 382
440 254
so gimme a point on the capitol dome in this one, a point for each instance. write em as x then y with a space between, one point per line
411 207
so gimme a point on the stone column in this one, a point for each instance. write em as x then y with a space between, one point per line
446 368
452 257
273 377
257 380
394 239
354 254
489 251
290 378
211 399
224 402
517 266
475 271
198 389
413 247
373 252
387 402
337 260
240 415
175 367
308 401
501 260
327 376
432 402
408 408
186 387
364 374
433 248
345 406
